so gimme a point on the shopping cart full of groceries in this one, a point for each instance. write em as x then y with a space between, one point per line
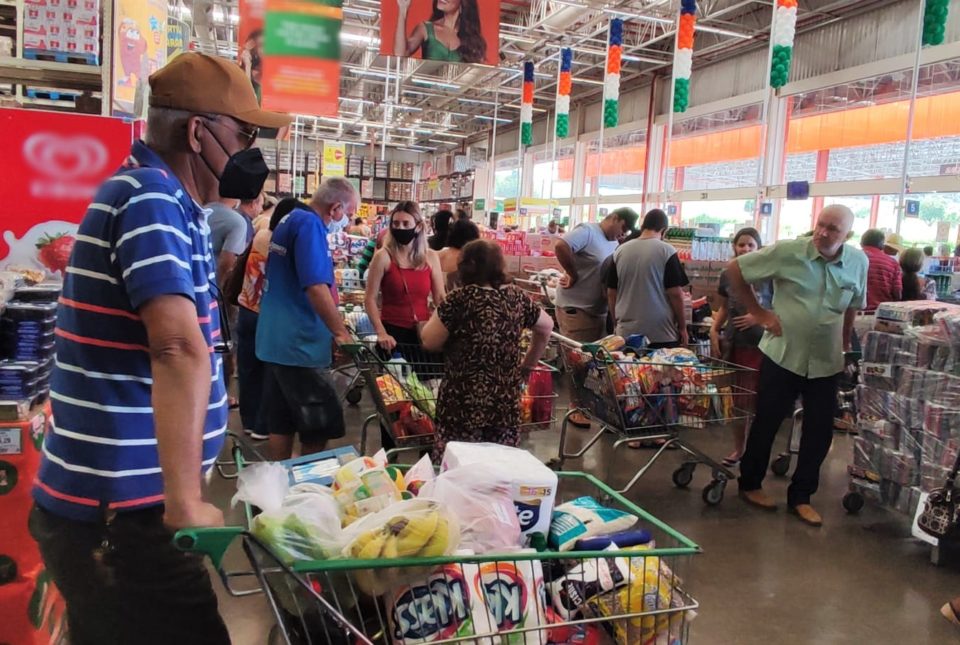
492 547
659 397
404 383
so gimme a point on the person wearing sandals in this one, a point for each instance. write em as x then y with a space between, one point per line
735 336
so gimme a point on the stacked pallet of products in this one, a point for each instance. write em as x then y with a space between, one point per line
908 406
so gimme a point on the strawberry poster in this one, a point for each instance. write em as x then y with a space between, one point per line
53 165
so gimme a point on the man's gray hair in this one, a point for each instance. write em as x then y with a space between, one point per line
334 190
167 128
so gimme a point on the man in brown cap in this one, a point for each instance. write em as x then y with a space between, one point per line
137 391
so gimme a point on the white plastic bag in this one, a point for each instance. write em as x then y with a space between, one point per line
299 523
482 501
264 485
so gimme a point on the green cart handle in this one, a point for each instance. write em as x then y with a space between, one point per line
212 542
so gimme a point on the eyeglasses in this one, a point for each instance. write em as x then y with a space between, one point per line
249 135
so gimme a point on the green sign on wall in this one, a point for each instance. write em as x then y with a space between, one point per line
479 204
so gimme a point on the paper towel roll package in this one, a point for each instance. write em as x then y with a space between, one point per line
534 486
513 594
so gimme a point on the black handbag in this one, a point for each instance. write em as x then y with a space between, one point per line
939 515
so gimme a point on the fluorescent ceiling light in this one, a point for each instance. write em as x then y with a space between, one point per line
518 38
645 18
435 83
369 72
490 118
355 100
417 150
720 32
477 101
450 134
409 108
351 37
366 13
445 143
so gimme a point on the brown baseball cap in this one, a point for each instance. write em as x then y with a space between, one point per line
202 83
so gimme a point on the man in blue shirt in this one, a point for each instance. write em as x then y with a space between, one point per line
139 405
298 322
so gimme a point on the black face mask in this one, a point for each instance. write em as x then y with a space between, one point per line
403 236
244 175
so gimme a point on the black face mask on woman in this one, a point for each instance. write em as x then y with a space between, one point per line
403 236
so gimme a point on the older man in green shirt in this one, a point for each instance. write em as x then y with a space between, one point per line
819 284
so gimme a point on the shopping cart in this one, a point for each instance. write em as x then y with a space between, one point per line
537 286
467 598
404 387
635 398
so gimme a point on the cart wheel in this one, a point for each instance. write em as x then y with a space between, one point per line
713 492
852 502
354 395
781 465
683 475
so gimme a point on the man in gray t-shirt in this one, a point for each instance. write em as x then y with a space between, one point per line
231 229
581 302
645 286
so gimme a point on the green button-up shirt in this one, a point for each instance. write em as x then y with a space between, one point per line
810 296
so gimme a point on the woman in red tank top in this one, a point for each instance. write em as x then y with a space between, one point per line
404 274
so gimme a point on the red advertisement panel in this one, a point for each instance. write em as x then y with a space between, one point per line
53 165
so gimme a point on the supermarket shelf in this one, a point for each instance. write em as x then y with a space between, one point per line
50 73
465 198
450 176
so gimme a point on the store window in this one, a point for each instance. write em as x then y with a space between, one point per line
728 216
506 179
553 179
937 223
935 149
869 211
624 160
716 150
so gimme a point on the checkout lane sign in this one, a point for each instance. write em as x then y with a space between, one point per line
912 208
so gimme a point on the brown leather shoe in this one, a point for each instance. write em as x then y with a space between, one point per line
759 499
807 515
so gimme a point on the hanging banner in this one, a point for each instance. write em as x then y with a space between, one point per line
250 40
467 31
301 63
334 159
139 49
53 165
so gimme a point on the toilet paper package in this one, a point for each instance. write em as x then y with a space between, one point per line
513 595
533 485
440 605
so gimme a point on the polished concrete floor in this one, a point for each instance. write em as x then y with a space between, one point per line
763 578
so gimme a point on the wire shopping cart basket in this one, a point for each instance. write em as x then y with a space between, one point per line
617 596
642 396
404 388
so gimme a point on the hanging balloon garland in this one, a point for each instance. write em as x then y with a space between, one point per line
935 21
683 55
526 106
784 30
564 84
611 82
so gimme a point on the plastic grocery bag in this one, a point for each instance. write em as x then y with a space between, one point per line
414 528
482 501
298 523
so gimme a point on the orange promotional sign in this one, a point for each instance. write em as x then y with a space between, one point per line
301 62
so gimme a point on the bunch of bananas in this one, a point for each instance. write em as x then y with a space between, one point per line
423 534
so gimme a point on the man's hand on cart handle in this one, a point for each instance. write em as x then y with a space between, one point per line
567 280
344 339
386 341
769 321
193 514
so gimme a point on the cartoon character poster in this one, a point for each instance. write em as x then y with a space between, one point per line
139 49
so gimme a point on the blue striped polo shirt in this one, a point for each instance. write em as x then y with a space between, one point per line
142 237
